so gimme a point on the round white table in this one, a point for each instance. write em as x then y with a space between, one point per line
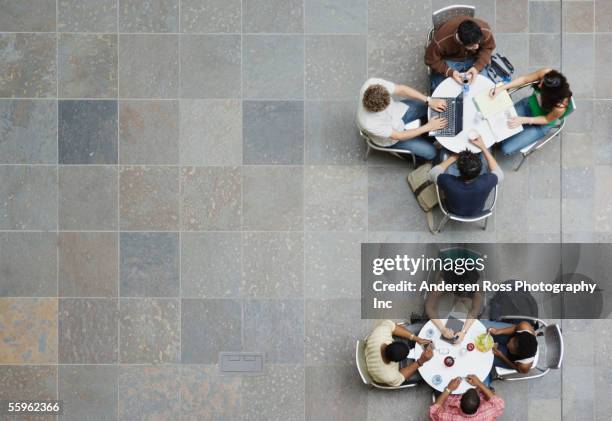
471 362
450 89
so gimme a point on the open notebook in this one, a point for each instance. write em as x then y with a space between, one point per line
497 111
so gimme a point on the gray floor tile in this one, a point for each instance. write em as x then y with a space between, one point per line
149 265
577 149
578 61
211 132
88 392
87 264
335 393
87 132
603 404
392 406
24 16
336 198
28 198
145 75
398 58
210 16
544 16
29 132
273 66
544 50
31 335
205 394
332 265
211 198
391 205
511 16
545 182
272 16
602 132
149 393
603 12
88 198
515 47
336 16
210 264
87 66
581 122
578 183
485 9
273 265
148 15
273 198
210 66
335 66
30 59
28 264
602 200
149 198
603 54
273 132
278 395
578 16
149 331
399 17
275 327
87 15
36 382
332 327
149 132
331 135
88 330
209 327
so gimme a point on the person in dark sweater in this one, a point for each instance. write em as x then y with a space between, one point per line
466 194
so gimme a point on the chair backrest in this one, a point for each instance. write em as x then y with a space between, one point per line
485 212
442 15
361 363
554 346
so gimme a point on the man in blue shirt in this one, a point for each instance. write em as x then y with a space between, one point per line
466 194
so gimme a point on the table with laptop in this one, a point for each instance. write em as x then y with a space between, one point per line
471 112
454 359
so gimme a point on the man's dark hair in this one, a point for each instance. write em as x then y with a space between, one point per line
469 165
527 345
376 98
470 401
396 351
469 32
555 89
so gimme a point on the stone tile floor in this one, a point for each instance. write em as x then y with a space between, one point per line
182 177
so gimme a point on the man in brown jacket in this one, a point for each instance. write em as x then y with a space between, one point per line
461 45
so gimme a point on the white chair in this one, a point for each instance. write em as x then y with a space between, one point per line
442 15
486 213
549 355
554 131
371 145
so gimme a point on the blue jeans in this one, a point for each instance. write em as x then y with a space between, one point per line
530 134
420 146
460 66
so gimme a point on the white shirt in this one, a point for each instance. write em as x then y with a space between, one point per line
382 373
380 125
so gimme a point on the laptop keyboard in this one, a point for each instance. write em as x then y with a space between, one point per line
449 114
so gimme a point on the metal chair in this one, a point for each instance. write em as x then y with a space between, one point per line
550 351
539 144
486 213
442 15
371 145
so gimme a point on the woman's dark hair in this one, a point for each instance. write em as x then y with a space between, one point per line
396 351
527 345
469 165
469 32
554 90
470 401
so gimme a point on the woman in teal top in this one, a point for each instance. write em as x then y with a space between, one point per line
550 101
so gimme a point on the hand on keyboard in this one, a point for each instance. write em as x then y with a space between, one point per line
436 123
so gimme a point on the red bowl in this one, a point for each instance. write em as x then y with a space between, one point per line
470 346
449 361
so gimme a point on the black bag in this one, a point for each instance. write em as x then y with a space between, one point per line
500 69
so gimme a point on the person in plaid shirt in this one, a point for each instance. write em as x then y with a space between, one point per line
478 404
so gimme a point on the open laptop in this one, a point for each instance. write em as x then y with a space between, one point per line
453 114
